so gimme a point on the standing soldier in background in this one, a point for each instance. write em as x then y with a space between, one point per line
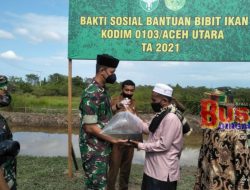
8 148
122 155
96 112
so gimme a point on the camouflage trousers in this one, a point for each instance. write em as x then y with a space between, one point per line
9 168
95 166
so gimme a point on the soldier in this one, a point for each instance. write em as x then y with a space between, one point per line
7 161
96 112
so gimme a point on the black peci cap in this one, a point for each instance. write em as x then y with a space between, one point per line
107 60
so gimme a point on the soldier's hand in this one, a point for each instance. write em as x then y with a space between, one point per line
120 141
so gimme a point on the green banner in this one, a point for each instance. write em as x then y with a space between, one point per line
177 30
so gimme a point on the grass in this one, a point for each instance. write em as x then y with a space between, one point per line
35 104
42 173
50 173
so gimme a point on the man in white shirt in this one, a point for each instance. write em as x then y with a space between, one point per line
164 144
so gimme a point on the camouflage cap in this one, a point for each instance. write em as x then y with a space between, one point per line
5 98
3 82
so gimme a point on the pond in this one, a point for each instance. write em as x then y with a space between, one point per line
44 142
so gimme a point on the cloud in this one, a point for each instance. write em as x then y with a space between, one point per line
126 65
10 55
6 35
172 63
60 58
50 35
207 77
41 28
22 31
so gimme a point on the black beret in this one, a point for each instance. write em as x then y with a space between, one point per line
107 60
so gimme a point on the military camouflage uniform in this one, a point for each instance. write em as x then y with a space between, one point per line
95 109
9 166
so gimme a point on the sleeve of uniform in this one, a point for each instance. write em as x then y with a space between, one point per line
89 106
170 127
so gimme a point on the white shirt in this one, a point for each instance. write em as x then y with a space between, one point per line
163 150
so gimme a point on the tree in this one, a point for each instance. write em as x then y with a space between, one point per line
77 81
57 78
77 86
32 79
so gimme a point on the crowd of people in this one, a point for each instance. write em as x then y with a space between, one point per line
224 159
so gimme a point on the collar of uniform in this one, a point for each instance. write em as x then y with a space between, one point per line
98 84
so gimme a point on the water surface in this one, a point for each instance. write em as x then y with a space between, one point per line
54 142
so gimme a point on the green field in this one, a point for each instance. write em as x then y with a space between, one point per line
50 173
32 103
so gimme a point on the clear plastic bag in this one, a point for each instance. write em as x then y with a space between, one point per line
124 125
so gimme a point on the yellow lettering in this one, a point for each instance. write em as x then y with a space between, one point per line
125 21
208 34
94 21
82 20
207 21
175 34
116 34
168 21
236 21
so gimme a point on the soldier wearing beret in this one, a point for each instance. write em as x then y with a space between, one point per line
96 111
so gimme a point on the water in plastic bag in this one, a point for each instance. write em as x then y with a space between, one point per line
124 125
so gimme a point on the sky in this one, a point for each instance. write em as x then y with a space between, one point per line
34 40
